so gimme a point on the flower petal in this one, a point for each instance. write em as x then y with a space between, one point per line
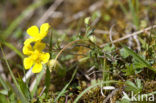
27 49
28 62
45 57
29 41
44 28
33 31
36 55
39 46
37 68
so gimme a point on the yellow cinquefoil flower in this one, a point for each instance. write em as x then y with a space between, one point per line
28 49
36 57
37 35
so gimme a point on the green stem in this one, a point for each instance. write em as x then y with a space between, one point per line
21 95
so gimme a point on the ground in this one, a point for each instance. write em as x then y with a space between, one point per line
100 51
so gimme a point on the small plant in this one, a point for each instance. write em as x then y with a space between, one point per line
89 51
36 56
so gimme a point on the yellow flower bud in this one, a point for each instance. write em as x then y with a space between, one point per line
92 38
87 19
54 64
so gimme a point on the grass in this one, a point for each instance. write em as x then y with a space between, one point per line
21 17
20 93
82 60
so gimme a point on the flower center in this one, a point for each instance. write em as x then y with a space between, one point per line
36 56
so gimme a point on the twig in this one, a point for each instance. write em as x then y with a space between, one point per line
98 71
42 90
85 75
93 67
130 35
110 33
80 14
56 14
33 84
27 75
69 32
98 31
66 99
2 71
49 12
10 55
137 41
102 91
36 80
110 95
130 43
148 3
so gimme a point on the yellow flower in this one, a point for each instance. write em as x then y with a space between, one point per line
54 64
28 49
35 56
28 41
36 60
39 46
37 35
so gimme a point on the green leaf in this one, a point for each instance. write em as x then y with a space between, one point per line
108 48
130 86
139 84
50 44
134 12
143 42
123 101
3 83
124 53
47 80
90 32
12 97
89 88
4 92
137 64
64 89
139 59
3 99
20 93
136 88
24 88
12 47
130 70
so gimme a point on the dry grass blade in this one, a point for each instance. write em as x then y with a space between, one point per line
130 35
49 12
80 14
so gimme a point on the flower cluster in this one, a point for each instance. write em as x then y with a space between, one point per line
33 48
